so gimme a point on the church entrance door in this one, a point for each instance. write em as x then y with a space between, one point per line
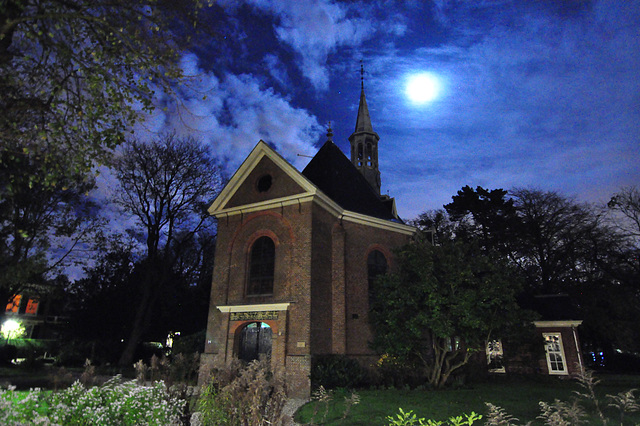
255 340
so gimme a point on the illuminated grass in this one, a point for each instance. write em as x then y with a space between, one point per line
519 398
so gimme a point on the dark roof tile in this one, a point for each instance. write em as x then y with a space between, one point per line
332 172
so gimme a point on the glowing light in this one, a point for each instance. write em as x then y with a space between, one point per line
422 88
12 329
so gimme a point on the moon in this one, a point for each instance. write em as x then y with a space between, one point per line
422 88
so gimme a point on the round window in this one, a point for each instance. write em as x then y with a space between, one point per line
264 183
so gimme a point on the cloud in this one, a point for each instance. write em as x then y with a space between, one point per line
232 113
317 28
276 69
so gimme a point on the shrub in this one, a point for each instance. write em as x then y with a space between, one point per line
336 371
390 372
254 396
181 369
115 402
189 344
410 419
18 408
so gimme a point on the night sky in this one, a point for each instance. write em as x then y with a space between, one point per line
536 94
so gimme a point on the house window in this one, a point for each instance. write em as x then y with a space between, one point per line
14 304
32 307
261 267
555 353
495 356
376 265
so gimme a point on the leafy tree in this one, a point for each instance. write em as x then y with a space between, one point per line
75 73
166 185
561 246
436 226
443 303
102 304
40 225
483 215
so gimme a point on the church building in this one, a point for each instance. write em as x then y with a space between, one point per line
296 254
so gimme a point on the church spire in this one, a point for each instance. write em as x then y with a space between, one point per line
364 142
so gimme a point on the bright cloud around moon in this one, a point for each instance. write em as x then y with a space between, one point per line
422 88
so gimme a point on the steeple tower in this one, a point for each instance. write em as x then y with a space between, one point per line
364 142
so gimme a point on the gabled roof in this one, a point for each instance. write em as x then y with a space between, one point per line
329 180
332 172
223 202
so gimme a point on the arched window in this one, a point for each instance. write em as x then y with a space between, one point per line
261 267
376 265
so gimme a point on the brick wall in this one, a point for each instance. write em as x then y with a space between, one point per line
320 269
571 346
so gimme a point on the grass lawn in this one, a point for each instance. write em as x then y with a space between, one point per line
518 396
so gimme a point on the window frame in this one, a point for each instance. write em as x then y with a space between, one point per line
495 356
263 271
552 364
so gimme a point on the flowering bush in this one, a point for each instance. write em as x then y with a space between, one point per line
115 402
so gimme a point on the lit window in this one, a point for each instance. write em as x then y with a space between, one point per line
14 304
32 307
495 356
555 353
261 267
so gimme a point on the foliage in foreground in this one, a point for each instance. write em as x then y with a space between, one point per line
410 419
115 402
253 395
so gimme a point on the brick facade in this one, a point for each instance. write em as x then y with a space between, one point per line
319 303
570 346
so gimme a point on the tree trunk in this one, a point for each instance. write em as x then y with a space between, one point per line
143 315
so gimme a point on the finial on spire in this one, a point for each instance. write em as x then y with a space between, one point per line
361 75
329 133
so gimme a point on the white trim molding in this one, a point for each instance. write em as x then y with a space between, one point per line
310 193
563 323
258 308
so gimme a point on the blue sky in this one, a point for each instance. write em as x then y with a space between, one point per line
537 94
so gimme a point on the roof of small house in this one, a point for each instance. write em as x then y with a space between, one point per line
332 172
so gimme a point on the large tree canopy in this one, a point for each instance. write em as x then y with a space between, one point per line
74 73
483 215
559 246
443 303
40 225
